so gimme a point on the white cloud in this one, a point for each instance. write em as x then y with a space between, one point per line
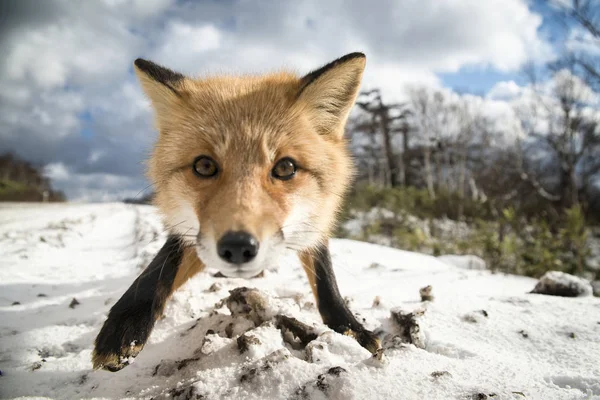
582 41
75 59
57 172
93 186
182 41
504 90
539 109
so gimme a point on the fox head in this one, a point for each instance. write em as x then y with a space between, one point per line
246 167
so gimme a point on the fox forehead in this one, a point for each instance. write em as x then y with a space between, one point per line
240 101
252 119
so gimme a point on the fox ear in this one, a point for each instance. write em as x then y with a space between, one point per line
330 91
161 85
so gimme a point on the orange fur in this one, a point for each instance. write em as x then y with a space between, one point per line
247 123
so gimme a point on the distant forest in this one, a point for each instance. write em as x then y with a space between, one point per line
21 180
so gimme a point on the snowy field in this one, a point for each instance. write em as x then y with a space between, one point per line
482 337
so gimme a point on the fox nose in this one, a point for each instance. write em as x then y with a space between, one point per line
237 247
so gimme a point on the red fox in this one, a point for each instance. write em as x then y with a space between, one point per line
244 168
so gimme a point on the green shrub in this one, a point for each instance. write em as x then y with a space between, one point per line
508 240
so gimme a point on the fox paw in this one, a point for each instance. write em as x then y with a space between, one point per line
115 361
120 340
366 339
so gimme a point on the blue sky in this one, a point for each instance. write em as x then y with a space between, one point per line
69 100
480 79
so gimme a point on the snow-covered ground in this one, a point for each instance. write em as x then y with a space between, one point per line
483 334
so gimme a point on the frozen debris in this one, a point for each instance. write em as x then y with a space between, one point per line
294 332
524 333
185 362
376 302
36 365
215 287
249 303
327 384
464 262
15 303
253 305
74 303
409 329
181 393
55 351
245 341
212 342
254 370
378 359
439 374
169 367
475 316
426 294
557 283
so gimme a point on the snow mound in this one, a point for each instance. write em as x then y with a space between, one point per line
557 283
478 335
464 261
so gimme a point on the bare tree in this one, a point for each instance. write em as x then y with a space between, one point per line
562 136
470 122
431 114
389 119
585 14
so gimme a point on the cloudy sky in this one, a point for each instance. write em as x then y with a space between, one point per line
69 99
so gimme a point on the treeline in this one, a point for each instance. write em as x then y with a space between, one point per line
544 155
20 180
526 181
546 159
139 199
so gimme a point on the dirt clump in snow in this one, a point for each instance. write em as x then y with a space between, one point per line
249 303
254 370
475 316
326 385
405 329
426 293
245 341
294 332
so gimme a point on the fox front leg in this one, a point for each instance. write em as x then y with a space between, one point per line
131 319
333 309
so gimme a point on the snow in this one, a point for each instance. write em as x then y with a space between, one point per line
483 333
468 261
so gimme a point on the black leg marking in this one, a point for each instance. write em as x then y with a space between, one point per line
131 319
333 309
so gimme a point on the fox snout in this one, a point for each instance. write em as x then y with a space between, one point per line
238 247
239 244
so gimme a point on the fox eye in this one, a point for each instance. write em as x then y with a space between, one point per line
284 169
205 167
